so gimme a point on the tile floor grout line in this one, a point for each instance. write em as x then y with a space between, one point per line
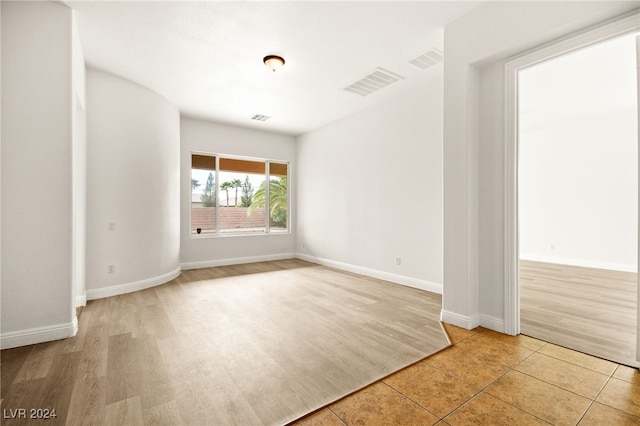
606 405
616 369
513 369
585 412
524 359
618 410
557 386
510 404
484 391
581 366
336 414
599 392
518 408
410 399
425 408
578 365
593 371
541 347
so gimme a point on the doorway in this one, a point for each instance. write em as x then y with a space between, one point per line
571 211
578 186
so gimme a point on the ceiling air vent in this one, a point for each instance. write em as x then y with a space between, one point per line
428 59
260 117
372 82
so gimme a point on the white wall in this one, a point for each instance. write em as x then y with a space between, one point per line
79 169
370 190
208 137
578 193
37 194
133 180
475 52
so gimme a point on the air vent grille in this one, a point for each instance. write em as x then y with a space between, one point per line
428 59
260 117
373 81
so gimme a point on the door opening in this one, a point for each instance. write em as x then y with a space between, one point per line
572 222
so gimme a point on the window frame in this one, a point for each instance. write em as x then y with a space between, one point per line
267 226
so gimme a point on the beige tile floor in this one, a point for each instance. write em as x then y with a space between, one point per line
487 378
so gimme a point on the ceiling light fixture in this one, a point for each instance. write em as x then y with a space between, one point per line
273 62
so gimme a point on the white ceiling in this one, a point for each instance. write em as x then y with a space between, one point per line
206 57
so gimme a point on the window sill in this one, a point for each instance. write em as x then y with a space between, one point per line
237 234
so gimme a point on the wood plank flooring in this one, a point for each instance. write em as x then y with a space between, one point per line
264 343
585 309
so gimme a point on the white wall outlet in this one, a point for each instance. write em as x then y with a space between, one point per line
111 226
552 247
111 269
398 261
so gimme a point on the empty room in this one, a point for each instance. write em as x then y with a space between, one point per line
268 213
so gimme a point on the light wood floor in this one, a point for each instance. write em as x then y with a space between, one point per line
253 344
585 309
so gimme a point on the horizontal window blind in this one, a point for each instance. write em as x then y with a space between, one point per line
242 166
278 169
203 162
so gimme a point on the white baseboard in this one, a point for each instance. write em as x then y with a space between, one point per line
492 323
374 273
81 300
32 336
236 261
161 279
133 286
468 323
580 262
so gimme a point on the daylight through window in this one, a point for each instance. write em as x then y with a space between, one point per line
230 196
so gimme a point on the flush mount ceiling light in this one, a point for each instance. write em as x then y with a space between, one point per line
273 62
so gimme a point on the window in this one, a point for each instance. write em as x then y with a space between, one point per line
203 194
230 196
239 207
278 197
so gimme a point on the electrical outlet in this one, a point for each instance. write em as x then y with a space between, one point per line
398 261
304 245
111 226
111 269
553 247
